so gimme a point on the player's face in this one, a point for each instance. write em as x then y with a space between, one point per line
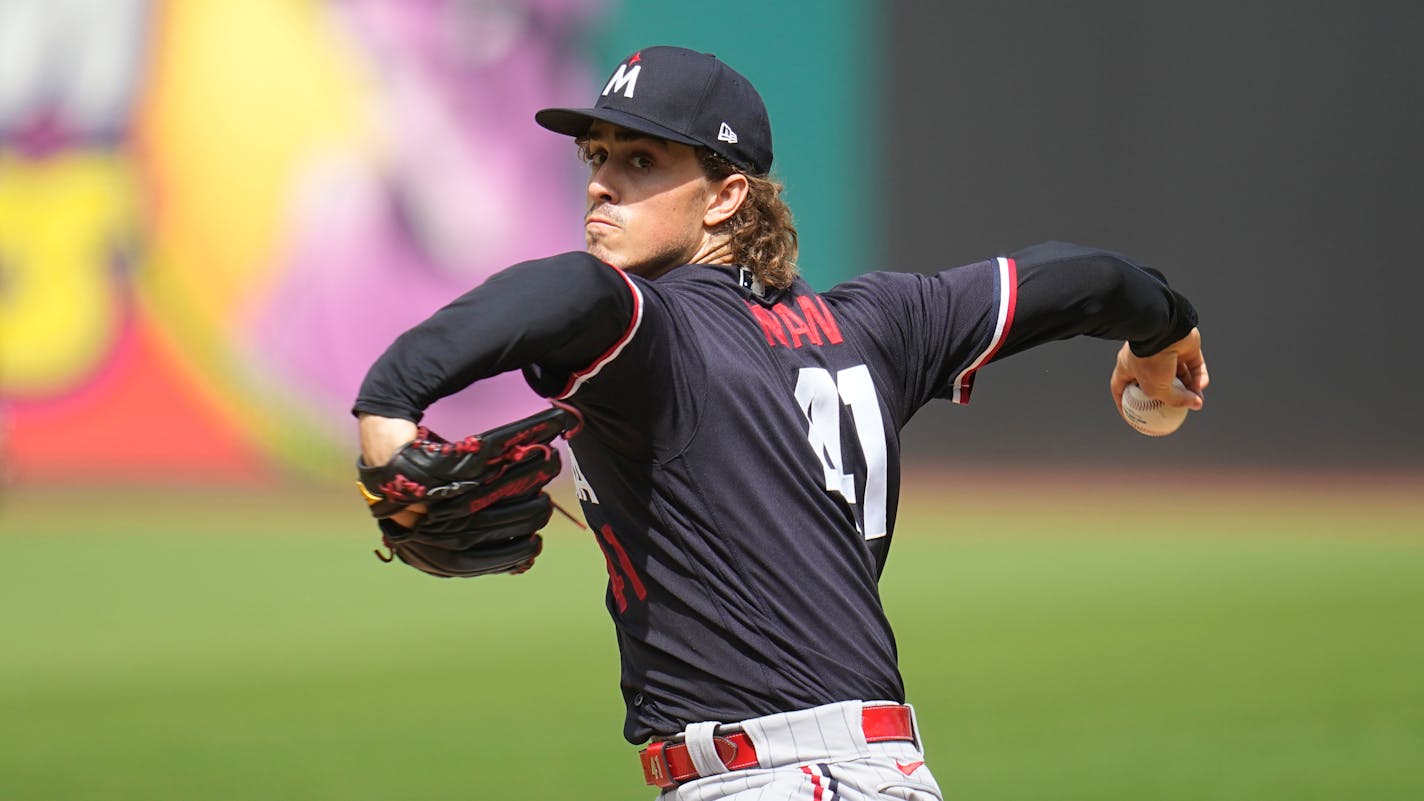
647 199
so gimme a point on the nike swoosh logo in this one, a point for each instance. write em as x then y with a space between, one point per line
908 767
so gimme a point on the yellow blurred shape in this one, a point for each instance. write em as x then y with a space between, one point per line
239 95
62 220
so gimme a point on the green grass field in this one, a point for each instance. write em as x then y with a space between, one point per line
1230 640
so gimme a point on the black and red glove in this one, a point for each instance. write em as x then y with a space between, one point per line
484 496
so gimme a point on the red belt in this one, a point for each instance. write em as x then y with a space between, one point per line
667 764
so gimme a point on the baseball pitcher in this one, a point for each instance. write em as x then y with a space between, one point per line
735 434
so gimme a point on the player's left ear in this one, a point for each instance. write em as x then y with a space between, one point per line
731 192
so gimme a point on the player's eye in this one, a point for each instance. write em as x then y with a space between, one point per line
596 158
640 161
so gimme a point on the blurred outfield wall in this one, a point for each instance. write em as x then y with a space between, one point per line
214 215
1265 155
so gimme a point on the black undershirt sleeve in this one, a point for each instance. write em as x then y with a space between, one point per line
561 313
1069 290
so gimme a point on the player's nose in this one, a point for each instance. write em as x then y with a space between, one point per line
601 188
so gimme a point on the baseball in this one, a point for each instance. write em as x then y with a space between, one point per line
1151 417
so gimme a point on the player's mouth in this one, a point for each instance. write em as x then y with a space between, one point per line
598 217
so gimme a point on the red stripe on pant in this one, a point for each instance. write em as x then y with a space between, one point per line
815 782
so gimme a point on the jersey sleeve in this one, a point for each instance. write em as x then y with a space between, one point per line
551 318
932 332
1067 290
938 330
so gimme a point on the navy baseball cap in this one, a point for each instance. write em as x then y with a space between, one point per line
683 96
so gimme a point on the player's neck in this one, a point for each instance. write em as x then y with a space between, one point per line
714 250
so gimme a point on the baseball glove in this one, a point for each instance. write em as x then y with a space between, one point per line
484 496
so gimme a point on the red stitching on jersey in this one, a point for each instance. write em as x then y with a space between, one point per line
615 585
624 562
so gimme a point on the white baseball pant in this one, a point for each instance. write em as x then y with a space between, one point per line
818 754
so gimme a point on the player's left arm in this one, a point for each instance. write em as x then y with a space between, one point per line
562 310
565 309
1068 290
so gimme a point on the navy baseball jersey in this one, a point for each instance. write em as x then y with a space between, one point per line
739 462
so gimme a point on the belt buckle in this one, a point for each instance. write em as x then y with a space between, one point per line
656 770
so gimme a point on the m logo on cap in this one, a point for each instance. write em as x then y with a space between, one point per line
624 80
694 99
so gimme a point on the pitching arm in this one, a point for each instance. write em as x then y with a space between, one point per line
1068 290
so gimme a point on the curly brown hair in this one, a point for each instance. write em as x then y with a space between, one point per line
762 233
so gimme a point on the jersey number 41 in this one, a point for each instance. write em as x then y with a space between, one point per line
821 397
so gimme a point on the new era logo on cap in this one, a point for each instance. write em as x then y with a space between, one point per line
682 96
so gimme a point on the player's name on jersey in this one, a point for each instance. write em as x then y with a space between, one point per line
783 326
